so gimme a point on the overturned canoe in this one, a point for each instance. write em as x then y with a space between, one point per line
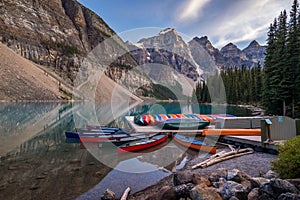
96 127
143 143
92 133
193 143
236 132
183 124
117 137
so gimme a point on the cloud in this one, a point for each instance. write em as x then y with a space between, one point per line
246 21
191 9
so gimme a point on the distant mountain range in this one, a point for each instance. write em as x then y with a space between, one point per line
60 34
196 57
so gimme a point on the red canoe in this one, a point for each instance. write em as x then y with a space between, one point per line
143 143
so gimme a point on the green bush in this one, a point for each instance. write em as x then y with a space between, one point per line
288 163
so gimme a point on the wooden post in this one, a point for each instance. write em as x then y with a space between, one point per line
268 124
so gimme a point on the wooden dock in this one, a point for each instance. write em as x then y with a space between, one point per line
155 129
255 142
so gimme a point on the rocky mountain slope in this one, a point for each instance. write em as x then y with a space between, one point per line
20 79
196 57
60 34
255 52
166 59
75 43
230 55
168 48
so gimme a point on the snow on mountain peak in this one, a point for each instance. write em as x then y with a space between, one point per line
167 30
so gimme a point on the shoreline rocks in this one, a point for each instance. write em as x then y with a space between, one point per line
228 185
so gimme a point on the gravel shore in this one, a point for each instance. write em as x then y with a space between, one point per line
254 164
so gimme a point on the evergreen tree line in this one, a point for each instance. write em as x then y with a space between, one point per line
242 85
277 86
282 65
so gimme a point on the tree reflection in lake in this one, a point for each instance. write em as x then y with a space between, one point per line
38 163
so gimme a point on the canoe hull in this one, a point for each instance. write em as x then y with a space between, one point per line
236 132
183 124
204 147
113 137
138 147
95 134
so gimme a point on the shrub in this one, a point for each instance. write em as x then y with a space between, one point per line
288 163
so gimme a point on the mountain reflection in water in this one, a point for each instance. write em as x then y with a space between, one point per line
38 163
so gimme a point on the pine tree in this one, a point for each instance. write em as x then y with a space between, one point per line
268 92
253 85
292 60
297 77
259 83
280 68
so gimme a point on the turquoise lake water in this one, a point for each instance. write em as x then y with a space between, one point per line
33 146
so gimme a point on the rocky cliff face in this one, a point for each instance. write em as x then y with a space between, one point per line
255 52
169 49
230 55
205 54
167 60
58 34
196 59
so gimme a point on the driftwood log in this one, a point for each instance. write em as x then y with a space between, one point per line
125 194
223 155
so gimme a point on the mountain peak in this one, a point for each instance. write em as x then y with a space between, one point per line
230 45
202 40
168 30
254 43
205 43
167 39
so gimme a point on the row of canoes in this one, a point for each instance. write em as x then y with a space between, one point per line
177 121
134 141
146 119
138 141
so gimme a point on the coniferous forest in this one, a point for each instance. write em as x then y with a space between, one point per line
276 86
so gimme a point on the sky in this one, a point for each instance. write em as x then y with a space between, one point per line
222 21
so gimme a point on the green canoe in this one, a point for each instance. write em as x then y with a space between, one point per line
183 124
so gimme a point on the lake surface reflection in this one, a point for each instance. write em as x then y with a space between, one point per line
37 162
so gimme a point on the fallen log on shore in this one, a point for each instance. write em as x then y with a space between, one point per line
222 156
125 194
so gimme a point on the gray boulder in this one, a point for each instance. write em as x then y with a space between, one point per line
231 188
198 179
295 182
183 191
267 191
182 177
234 175
202 192
254 194
280 186
166 193
217 174
289 196
271 174
260 180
